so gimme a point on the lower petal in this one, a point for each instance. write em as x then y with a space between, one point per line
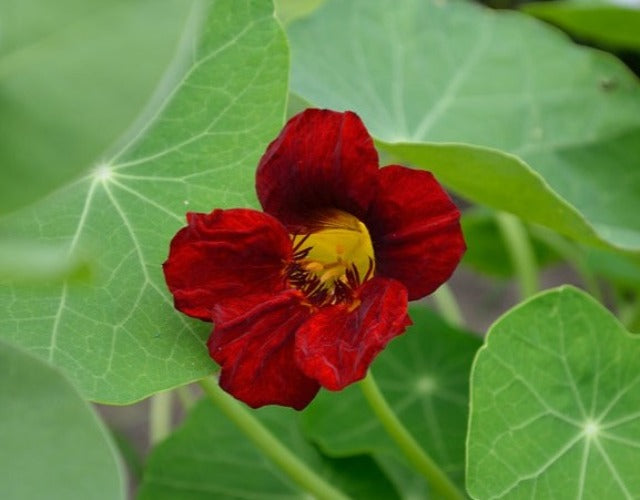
416 231
337 345
224 255
256 353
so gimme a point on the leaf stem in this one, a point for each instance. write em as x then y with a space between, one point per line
448 306
521 252
422 462
186 397
160 416
253 429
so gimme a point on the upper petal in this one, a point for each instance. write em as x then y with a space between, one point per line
321 159
256 353
415 228
336 345
224 255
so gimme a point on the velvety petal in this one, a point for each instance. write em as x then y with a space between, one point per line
256 353
321 159
337 345
415 228
224 255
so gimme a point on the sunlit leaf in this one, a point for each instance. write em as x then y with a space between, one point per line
73 76
210 458
428 75
120 338
554 403
424 375
53 445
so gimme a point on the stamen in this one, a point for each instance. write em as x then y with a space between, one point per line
330 260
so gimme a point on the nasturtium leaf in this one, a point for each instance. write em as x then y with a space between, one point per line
555 398
120 338
612 25
208 457
486 249
53 444
424 375
74 74
426 76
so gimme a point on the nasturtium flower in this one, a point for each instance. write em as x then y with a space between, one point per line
305 294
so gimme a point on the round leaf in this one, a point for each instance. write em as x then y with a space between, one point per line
72 79
53 445
426 76
120 338
554 403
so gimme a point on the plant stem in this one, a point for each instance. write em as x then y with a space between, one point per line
186 397
422 462
253 429
448 305
160 416
521 252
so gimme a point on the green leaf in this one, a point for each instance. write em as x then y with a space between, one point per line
210 458
424 376
120 338
72 78
53 444
486 251
554 403
426 76
615 26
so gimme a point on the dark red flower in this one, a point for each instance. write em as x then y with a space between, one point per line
307 293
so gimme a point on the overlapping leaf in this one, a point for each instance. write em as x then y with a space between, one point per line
428 75
53 445
210 458
72 78
120 337
554 403
614 25
424 375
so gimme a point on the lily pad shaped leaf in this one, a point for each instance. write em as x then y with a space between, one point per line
53 444
555 408
424 375
208 457
426 76
120 338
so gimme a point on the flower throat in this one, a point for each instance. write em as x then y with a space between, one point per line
332 259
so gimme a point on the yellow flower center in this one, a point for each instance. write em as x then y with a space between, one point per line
333 258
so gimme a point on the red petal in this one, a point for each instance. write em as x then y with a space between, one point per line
336 345
321 159
415 228
225 255
256 352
